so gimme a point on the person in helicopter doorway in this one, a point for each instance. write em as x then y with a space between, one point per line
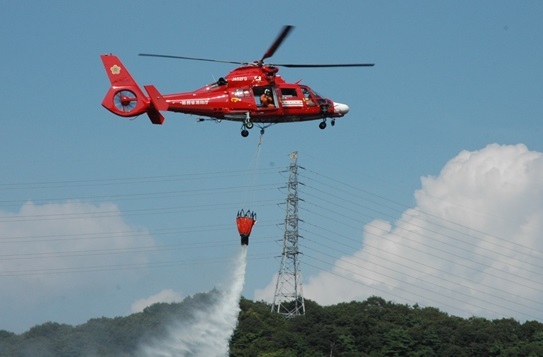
266 99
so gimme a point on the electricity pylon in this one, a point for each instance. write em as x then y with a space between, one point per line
288 299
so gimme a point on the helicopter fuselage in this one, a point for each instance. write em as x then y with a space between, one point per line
236 97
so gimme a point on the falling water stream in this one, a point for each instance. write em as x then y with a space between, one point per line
209 332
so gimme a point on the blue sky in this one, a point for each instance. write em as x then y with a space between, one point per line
100 215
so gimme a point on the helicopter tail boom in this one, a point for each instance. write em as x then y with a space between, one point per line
125 98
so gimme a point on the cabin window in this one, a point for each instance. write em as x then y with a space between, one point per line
241 93
288 92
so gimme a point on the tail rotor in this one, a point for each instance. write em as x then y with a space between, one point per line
125 101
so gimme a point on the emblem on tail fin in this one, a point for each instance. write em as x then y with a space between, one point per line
115 69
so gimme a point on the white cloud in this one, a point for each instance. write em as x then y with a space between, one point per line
471 245
167 296
50 250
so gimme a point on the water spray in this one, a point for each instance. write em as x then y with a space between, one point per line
208 331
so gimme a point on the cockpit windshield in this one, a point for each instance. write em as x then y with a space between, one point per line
316 94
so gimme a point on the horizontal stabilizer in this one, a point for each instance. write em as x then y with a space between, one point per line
157 100
155 116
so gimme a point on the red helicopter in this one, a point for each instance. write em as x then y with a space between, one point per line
252 93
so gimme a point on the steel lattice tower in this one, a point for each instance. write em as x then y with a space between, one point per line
288 299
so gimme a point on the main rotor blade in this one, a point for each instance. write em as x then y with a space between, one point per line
282 35
325 65
191 58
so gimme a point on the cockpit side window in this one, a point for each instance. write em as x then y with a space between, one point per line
307 97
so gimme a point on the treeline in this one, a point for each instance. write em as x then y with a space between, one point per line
376 327
373 327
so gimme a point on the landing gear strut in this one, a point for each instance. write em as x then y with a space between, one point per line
247 124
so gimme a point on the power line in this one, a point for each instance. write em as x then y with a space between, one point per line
444 223
334 203
410 273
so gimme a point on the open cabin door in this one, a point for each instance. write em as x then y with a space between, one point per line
265 97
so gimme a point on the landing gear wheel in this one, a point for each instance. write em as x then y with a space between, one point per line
333 122
322 125
244 126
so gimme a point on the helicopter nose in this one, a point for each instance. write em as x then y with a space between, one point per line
341 108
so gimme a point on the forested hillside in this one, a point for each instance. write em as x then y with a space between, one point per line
379 328
370 328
